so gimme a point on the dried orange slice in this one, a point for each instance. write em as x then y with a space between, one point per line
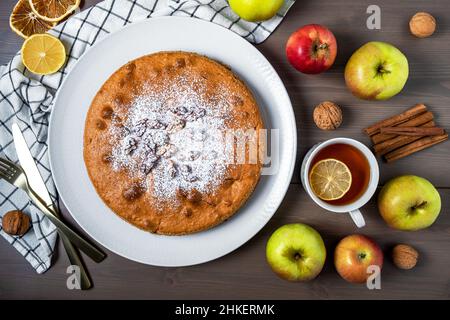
53 10
330 179
25 22
43 54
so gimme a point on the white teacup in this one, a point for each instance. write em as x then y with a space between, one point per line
352 208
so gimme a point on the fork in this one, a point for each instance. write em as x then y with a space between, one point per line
15 175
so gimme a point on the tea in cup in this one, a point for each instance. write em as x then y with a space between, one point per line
340 175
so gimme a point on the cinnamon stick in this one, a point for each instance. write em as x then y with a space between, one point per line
414 122
398 141
418 145
413 131
397 119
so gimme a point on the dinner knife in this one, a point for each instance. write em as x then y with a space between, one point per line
37 184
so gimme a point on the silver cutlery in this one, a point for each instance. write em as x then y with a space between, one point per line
38 185
15 175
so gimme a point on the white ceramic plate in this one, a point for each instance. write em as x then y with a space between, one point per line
66 139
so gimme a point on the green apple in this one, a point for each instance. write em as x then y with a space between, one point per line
409 203
255 10
296 252
376 71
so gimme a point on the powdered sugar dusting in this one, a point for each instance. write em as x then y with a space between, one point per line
172 139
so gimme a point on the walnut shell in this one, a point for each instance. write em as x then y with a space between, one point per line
16 223
404 256
422 25
327 115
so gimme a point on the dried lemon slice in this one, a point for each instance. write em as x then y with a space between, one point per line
25 22
330 179
53 10
43 54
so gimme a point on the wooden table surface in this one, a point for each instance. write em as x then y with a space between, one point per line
245 273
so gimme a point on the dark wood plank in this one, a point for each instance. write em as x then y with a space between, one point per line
244 273
9 42
429 80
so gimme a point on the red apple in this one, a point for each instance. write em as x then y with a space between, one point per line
311 49
354 254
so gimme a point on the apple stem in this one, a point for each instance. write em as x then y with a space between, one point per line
381 69
417 206
322 46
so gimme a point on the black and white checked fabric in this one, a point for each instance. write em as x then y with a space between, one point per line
26 98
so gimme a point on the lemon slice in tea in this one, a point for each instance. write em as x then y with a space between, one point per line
43 54
330 179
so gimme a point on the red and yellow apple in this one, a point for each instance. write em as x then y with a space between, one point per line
354 254
311 49
409 203
296 252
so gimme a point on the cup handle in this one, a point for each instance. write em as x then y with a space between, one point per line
357 218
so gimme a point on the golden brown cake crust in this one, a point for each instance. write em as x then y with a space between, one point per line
136 195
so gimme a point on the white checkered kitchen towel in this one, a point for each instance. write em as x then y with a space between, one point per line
27 99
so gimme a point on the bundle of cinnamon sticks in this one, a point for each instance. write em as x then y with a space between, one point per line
405 133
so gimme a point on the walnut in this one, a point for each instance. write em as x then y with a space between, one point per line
154 73
227 183
155 124
130 67
237 101
140 127
186 173
107 112
176 125
100 124
180 111
119 100
172 169
187 212
107 157
130 145
16 223
149 163
404 256
129 74
422 25
133 192
194 196
180 63
149 225
168 70
167 150
327 116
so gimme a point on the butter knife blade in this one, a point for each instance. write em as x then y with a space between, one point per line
29 166
38 186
